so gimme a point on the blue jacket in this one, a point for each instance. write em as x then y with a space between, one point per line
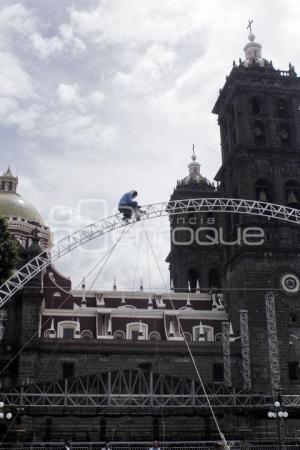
126 198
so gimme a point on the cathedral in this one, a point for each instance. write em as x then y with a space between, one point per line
124 366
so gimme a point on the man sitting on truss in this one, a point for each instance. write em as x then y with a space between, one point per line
127 206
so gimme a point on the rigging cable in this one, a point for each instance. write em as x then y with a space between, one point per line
225 443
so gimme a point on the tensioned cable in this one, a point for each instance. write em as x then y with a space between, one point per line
148 268
189 349
156 345
137 261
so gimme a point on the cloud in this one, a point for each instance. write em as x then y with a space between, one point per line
68 93
101 97
64 42
149 72
15 22
142 24
14 80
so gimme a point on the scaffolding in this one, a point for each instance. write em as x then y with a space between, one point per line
130 389
246 363
272 342
226 353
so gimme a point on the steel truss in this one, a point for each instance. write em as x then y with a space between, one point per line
245 349
273 343
94 230
130 388
226 353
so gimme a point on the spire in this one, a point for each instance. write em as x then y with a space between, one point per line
253 50
194 176
8 172
201 336
194 167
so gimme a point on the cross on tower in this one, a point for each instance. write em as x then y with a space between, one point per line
193 156
250 26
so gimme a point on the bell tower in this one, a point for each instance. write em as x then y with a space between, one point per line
258 113
196 258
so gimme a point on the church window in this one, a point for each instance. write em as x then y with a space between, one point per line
256 106
68 333
293 370
213 278
263 190
208 333
284 133
154 336
68 370
290 283
10 186
137 331
119 335
259 132
3 186
193 277
293 317
66 329
282 108
292 193
218 373
86 334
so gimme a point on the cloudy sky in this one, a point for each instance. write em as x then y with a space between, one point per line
101 96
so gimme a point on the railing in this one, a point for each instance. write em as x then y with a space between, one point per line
201 445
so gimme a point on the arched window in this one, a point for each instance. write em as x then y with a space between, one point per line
284 133
263 190
208 333
66 329
259 132
154 336
137 331
256 105
292 193
282 108
213 278
86 334
119 335
193 277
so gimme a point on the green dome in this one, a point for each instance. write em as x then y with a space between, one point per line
13 205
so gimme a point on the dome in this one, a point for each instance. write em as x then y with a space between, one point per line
13 205
194 176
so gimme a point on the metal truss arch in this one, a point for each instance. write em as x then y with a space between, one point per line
169 208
